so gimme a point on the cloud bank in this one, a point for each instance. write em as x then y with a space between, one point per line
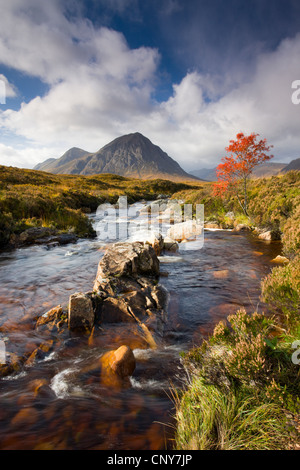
99 88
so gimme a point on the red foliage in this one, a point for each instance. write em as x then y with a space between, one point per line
246 152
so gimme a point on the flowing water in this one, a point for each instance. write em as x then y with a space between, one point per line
60 401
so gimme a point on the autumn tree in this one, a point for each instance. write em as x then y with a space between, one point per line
245 153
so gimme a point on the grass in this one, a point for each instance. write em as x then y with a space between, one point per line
242 388
208 419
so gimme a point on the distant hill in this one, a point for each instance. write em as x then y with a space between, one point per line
132 155
293 165
261 171
53 164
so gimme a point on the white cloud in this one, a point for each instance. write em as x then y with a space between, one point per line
8 89
99 89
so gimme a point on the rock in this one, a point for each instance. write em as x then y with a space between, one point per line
123 361
154 239
269 235
81 313
39 353
52 316
242 228
65 238
280 259
115 310
170 244
127 259
34 234
185 230
41 236
160 296
117 365
13 364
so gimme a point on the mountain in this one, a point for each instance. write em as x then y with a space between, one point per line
261 171
46 163
293 165
52 164
132 155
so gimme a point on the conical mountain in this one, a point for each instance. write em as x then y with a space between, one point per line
132 155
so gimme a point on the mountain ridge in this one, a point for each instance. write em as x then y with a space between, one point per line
131 155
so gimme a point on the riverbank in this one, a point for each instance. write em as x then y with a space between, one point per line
244 380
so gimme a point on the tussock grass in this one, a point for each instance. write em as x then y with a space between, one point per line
209 419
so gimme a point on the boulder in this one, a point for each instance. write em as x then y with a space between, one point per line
117 365
127 259
185 230
122 361
81 313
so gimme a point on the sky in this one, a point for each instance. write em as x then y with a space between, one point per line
187 74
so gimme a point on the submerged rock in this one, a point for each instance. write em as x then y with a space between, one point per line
117 366
121 361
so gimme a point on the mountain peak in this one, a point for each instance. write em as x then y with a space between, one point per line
131 155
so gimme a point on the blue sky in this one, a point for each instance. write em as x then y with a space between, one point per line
188 74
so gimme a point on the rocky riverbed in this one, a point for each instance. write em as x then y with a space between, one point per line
94 370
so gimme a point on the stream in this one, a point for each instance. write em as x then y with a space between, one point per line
75 410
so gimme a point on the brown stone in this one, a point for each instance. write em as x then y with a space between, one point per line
81 314
121 361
